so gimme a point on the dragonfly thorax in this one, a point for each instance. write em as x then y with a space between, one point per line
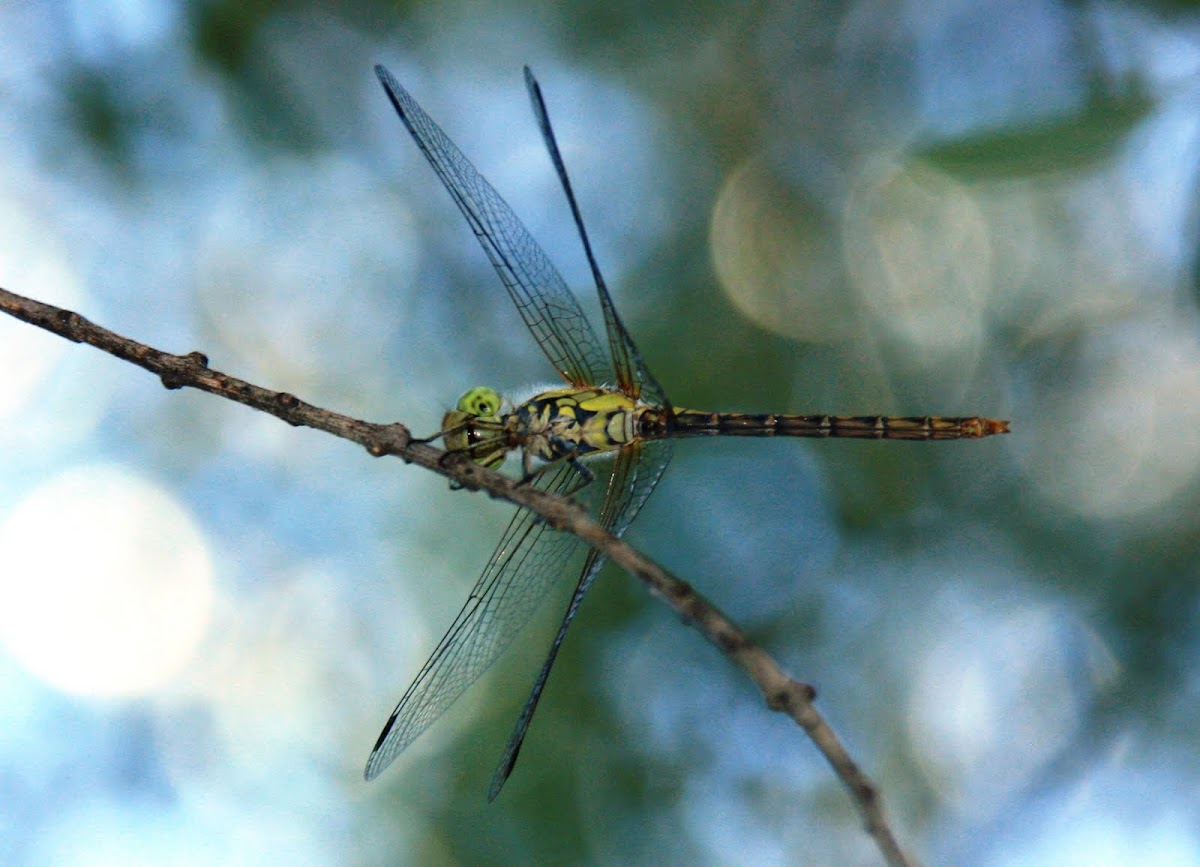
552 425
566 423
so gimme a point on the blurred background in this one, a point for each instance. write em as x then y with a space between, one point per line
861 207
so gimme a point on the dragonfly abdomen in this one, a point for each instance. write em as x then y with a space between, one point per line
693 423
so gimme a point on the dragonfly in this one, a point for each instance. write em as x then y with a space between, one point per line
604 438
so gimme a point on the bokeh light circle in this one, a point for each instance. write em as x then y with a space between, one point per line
106 587
776 257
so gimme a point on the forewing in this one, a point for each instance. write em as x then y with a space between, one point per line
551 312
632 375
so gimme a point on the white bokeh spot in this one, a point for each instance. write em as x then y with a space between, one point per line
105 583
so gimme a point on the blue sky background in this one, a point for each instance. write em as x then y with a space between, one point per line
948 207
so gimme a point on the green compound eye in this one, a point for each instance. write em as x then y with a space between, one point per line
480 401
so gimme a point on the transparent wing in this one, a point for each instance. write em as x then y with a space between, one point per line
636 472
529 559
633 377
551 312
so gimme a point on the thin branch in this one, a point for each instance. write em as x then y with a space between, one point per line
782 693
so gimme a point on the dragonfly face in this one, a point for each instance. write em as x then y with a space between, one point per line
474 427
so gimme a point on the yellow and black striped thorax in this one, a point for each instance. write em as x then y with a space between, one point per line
573 422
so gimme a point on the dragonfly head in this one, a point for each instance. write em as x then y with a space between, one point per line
474 426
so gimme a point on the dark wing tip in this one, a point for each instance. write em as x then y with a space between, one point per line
375 766
375 763
501 776
511 751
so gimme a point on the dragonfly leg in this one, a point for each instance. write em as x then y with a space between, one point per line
528 471
570 456
469 453
428 439
569 452
449 458
581 468
441 434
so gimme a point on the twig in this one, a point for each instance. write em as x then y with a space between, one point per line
781 692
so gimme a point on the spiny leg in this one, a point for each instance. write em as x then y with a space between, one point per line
570 457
